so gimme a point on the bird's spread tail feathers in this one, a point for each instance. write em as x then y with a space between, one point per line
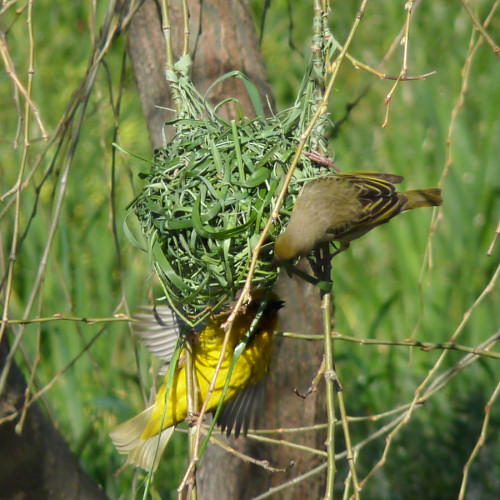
423 198
144 453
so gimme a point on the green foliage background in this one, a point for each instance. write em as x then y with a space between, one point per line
384 288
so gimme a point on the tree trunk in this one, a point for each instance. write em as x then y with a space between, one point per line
36 464
225 41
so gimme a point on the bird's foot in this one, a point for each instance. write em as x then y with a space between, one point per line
192 418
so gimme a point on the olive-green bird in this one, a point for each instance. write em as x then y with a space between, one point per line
344 206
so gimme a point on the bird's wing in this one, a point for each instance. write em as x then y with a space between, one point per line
159 329
378 198
238 411
392 178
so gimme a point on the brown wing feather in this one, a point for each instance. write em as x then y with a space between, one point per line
349 205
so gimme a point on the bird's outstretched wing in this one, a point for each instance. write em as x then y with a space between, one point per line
158 328
237 413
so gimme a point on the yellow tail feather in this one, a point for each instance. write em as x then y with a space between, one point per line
144 453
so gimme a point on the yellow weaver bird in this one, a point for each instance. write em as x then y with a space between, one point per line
144 437
344 206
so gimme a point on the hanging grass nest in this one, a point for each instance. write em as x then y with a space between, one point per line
210 192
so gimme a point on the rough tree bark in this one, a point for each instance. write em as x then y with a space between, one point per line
226 40
37 463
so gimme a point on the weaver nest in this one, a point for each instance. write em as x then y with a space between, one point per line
206 199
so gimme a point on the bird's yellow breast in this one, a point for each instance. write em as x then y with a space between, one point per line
250 367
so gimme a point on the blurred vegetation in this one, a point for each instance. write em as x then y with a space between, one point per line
384 285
